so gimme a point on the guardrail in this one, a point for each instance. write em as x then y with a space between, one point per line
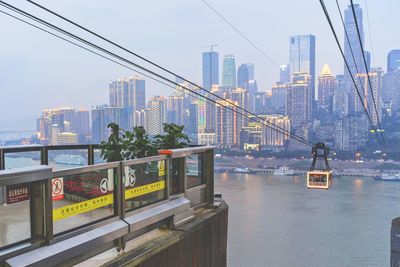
78 211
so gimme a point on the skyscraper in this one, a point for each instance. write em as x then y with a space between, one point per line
139 92
393 60
353 40
284 73
226 133
155 115
326 89
302 59
229 72
375 75
210 69
243 76
101 117
298 105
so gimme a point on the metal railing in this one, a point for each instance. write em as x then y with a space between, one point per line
66 210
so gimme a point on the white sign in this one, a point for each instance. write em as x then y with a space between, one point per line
57 188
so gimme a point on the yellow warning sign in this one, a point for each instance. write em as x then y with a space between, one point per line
144 189
98 202
82 207
161 168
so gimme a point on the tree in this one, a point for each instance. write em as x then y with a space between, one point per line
174 137
113 148
137 144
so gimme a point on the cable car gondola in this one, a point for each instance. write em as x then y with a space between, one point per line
320 178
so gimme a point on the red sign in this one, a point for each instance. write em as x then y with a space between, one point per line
17 193
57 189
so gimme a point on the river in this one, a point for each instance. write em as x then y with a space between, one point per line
277 221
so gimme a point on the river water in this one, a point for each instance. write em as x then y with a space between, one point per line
277 221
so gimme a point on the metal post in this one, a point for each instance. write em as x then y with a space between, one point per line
3 191
208 167
44 156
119 202
168 177
41 208
90 155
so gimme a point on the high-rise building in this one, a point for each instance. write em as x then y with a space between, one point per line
326 89
302 59
284 74
130 94
139 92
375 76
298 106
260 103
175 110
102 116
66 120
340 97
229 72
354 41
245 74
210 69
279 93
120 93
391 88
242 98
393 60
155 115
351 132
226 132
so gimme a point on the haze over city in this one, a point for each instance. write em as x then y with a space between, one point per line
39 71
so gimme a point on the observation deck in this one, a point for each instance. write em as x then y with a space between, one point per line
154 211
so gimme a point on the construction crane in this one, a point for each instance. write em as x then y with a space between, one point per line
209 46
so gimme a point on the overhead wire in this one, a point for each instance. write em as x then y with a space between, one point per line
130 52
375 107
328 18
179 86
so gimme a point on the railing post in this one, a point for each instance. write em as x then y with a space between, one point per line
208 174
2 160
168 180
44 156
2 167
90 155
41 208
119 201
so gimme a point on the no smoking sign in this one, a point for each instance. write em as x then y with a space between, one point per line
57 188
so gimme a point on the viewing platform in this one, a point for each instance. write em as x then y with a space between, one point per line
154 211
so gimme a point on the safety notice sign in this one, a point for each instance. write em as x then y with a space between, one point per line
57 189
161 168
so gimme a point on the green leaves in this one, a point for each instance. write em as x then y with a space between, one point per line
124 145
173 137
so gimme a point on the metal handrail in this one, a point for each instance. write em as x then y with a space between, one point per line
85 169
25 175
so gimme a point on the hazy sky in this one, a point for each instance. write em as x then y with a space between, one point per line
38 71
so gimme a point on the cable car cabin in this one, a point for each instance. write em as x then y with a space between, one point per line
319 179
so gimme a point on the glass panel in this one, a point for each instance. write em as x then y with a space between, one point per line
65 159
22 159
97 156
14 214
193 171
144 184
82 198
175 173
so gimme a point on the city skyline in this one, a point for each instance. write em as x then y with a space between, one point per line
72 79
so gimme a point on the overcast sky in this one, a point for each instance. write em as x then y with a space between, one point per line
38 71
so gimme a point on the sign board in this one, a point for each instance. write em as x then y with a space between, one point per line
130 176
17 193
57 189
161 168
104 201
